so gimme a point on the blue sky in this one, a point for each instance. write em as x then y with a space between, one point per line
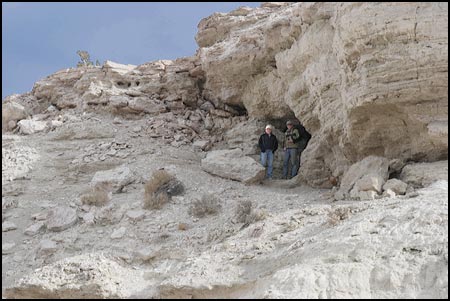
39 39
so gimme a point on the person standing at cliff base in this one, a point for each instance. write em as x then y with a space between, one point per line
268 144
290 147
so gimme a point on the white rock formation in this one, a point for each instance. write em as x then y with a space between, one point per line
350 72
152 88
17 161
84 276
368 80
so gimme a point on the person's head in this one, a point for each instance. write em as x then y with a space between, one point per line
269 129
289 124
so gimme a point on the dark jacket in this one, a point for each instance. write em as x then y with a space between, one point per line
266 142
291 138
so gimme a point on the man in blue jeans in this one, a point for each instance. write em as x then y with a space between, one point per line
290 147
268 144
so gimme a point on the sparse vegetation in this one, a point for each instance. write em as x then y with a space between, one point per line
99 195
85 59
221 233
243 211
160 188
182 226
208 204
256 215
339 214
245 214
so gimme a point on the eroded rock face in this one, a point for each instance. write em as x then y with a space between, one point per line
423 174
364 78
150 88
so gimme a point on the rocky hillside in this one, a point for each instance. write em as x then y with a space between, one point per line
364 78
365 218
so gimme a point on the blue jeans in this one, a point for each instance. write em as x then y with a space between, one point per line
267 157
292 154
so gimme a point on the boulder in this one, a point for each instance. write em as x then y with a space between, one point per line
395 185
368 174
147 105
135 215
232 164
118 233
88 218
366 195
118 177
47 246
201 145
117 101
369 183
12 112
423 174
34 229
389 193
29 126
147 253
61 218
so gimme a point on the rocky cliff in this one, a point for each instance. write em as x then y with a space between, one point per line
364 78
84 214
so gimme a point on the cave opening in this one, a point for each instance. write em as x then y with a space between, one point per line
279 161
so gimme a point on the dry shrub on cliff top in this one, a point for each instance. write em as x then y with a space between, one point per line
208 204
159 189
99 195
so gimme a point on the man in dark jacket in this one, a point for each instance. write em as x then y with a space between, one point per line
268 144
